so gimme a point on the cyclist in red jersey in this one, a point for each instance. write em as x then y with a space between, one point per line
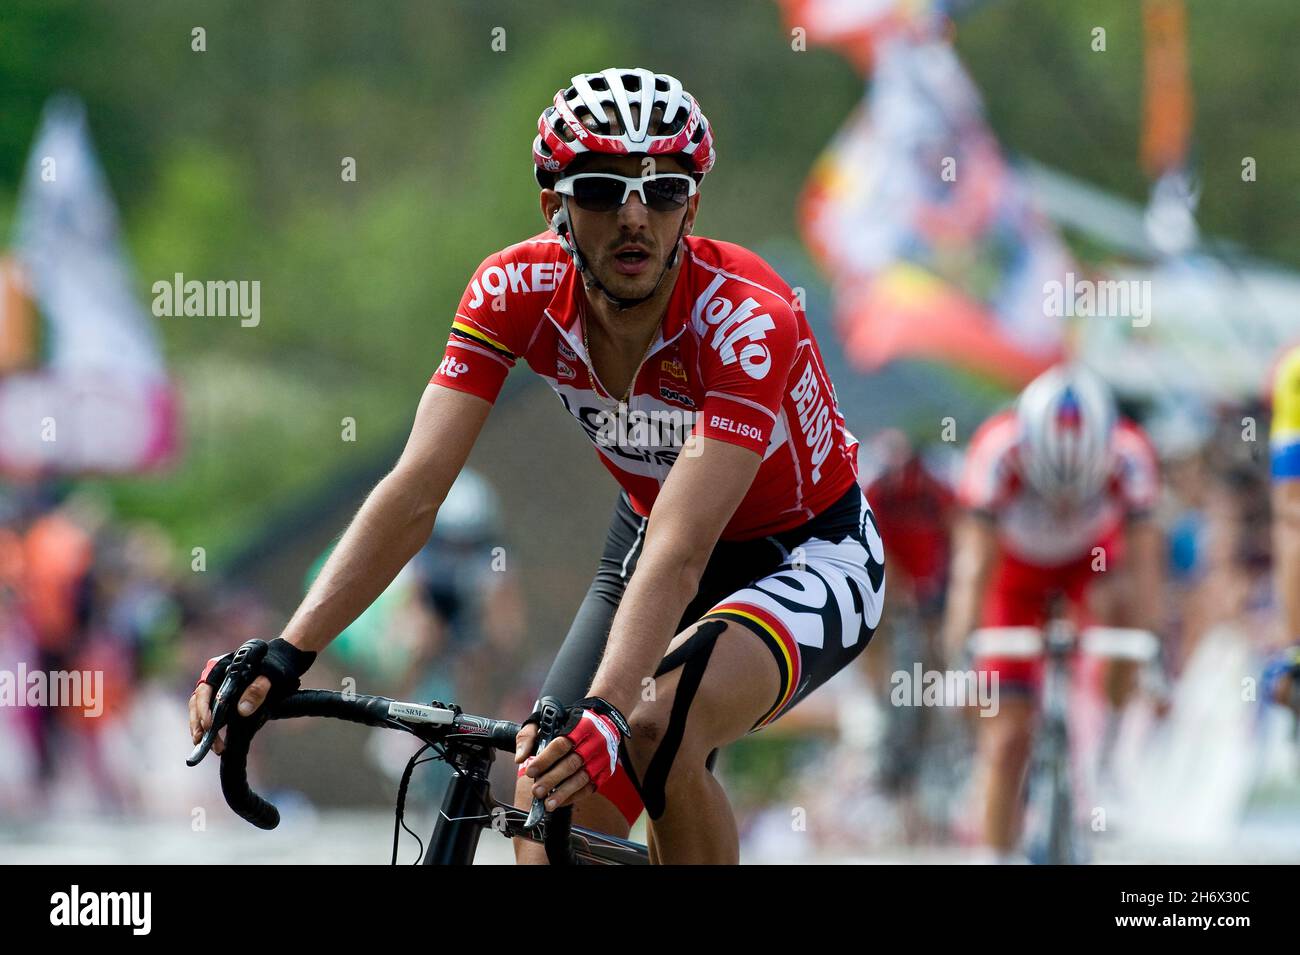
915 513
743 566
915 506
730 360
1056 493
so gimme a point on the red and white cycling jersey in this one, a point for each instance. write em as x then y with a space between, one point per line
734 360
1029 528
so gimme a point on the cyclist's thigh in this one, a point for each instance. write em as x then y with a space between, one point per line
772 642
819 609
1017 597
715 681
1014 718
1004 741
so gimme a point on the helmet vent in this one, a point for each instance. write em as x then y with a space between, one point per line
612 104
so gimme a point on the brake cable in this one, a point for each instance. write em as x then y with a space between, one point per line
399 821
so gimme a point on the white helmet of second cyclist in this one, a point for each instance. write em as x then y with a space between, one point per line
470 514
1066 418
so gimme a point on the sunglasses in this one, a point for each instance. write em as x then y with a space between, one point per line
606 192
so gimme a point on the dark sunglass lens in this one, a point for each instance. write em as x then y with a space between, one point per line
667 194
598 195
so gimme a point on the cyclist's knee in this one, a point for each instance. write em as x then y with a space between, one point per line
647 723
524 792
687 772
526 852
1010 743
708 691
666 746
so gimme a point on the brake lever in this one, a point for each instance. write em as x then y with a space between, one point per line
239 676
550 720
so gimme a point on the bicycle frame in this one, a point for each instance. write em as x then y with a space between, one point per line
461 818
469 807
1061 848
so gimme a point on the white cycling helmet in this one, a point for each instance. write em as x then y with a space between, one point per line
470 514
621 112
1066 418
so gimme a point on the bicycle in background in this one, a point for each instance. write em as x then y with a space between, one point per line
1050 782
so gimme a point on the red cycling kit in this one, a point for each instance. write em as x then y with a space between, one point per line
1042 550
915 510
800 564
734 360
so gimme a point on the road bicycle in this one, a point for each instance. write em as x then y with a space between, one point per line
1050 782
925 751
467 743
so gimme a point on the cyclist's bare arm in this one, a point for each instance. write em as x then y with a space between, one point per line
1286 545
391 526
1145 546
974 550
699 497
396 519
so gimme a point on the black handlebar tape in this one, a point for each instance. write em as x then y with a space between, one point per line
369 710
234 780
559 824
503 735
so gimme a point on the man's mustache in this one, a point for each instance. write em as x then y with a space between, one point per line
647 246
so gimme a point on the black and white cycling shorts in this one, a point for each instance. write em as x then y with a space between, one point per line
813 595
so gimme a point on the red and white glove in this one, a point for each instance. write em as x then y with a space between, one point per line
595 727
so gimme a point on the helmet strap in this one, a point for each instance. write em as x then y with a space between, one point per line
569 240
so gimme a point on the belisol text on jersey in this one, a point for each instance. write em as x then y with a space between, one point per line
736 427
814 417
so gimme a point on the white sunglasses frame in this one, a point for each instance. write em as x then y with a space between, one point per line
630 185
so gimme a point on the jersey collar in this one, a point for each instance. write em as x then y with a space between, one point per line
565 308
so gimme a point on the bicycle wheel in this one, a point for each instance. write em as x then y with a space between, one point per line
1060 809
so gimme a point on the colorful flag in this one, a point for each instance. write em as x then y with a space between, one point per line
932 244
99 399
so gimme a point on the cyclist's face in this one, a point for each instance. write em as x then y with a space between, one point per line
604 236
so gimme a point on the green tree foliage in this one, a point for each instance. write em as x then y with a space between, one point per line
227 165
